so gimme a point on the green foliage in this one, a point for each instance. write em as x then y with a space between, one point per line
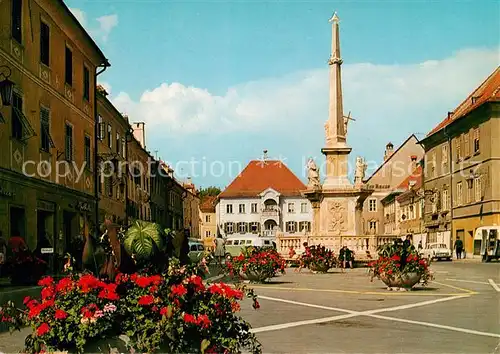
209 191
144 239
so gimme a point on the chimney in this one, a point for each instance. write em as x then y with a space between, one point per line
140 133
389 150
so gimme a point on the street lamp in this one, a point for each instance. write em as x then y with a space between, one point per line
6 85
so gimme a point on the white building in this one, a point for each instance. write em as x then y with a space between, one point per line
263 199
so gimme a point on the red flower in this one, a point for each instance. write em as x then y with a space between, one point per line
44 328
46 281
197 282
256 305
203 321
146 300
396 258
47 293
64 285
60 314
88 282
109 292
26 300
142 282
166 311
189 318
179 290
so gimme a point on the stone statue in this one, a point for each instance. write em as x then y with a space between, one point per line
359 174
346 122
338 216
313 175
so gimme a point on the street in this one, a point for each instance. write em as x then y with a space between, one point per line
345 313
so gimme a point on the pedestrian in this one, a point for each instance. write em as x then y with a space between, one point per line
220 250
420 247
407 247
345 255
307 253
458 246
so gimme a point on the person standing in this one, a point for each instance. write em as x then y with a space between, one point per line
459 247
345 255
220 250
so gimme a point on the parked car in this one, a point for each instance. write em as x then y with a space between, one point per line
436 251
196 250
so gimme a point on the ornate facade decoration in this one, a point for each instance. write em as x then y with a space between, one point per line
338 216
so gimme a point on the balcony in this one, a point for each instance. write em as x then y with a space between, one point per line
270 212
269 233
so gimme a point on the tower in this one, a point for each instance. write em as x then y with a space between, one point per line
336 149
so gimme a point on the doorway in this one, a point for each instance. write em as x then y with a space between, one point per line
45 248
17 222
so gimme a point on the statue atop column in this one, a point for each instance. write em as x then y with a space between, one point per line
313 175
359 174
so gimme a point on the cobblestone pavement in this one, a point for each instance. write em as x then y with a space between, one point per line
346 313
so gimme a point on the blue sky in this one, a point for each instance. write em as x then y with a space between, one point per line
221 81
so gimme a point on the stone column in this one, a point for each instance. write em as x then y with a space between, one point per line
316 218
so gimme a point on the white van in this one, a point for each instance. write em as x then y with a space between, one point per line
234 245
487 242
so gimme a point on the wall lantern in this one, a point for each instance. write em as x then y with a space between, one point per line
6 85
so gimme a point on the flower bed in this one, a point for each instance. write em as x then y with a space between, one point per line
257 264
318 259
399 268
24 268
172 312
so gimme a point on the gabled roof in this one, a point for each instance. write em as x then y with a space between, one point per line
488 91
207 204
416 176
257 176
391 156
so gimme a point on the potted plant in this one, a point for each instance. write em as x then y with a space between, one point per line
318 258
172 312
400 268
257 264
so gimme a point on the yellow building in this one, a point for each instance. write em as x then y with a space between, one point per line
208 220
462 168
47 137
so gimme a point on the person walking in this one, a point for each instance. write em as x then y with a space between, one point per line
459 247
345 255
220 250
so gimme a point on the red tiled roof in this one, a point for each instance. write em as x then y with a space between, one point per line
207 204
259 175
415 176
488 91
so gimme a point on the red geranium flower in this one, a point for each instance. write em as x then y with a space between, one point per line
146 300
46 281
60 314
64 285
179 290
44 328
189 318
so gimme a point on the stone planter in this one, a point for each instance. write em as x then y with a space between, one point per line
257 277
404 281
320 268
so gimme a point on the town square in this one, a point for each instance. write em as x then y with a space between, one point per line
162 199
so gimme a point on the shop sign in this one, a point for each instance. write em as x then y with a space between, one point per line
47 250
6 193
83 206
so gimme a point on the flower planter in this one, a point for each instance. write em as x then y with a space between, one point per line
406 281
321 268
254 276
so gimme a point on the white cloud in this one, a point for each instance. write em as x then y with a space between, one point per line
104 25
379 96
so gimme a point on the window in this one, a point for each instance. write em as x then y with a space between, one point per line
69 142
477 189
466 145
254 227
445 199
253 208
304 226
372 204
86 83
433 164
207 218
291 208
207 233
17 20
291 226
241 208
303 208
372 226
118 144
87 151
68 76
229 228
476 141
444 153
45 139
458 146
411 212
108 187
102 127
469 191
17 109
124 148
242 227
229 209
459 193
110 136
44 44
